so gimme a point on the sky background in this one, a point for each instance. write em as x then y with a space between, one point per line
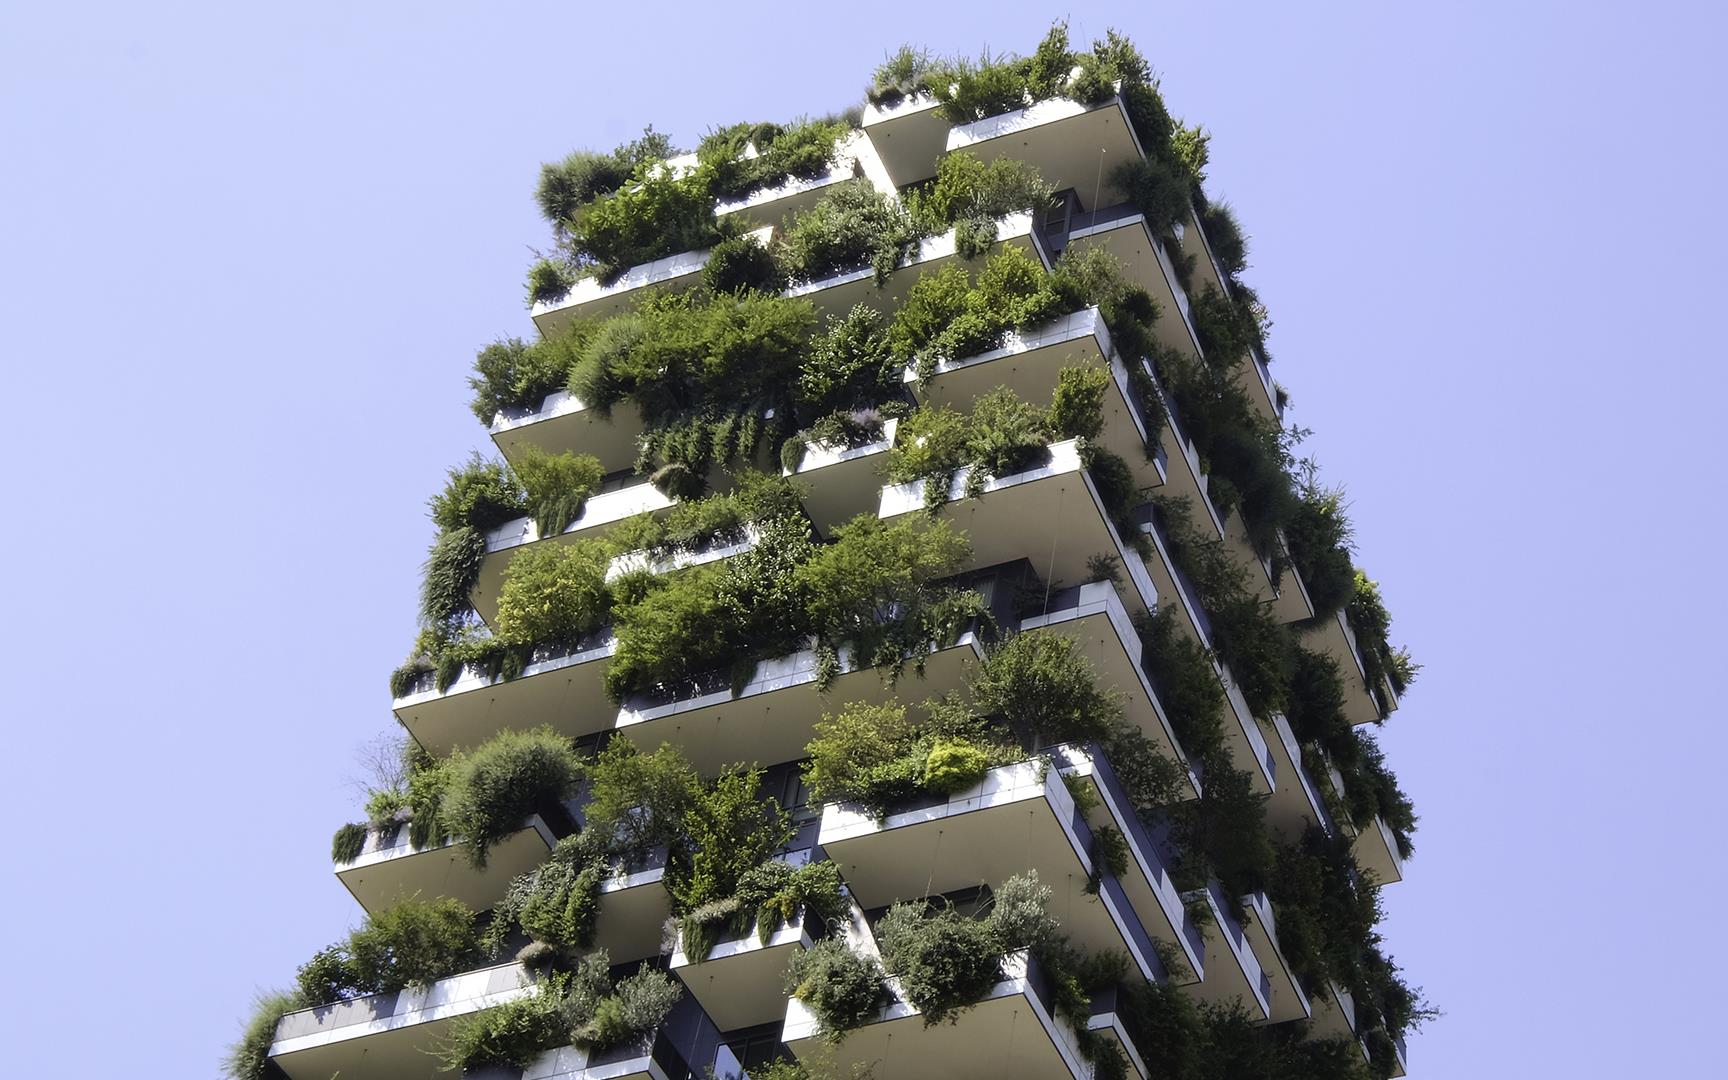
246 258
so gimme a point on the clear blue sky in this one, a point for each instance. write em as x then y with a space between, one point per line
245 259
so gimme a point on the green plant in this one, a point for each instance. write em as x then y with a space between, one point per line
1045 690
954 765
966 190
346 845
903 73
638 801
448 577
767 896
637 1005
249 1057
1373 626
945 961
554 593
511 374
740 262
566 186
863 754
842 989
511 1035
653 215
557 485
1224 236
1077 406
548 282
732 830
413 944
1320 542
848 366
479 494
1159 189
802 151
851 227
1109 850
557 902
494 787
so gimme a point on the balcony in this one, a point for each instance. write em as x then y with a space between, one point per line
740 983
1298 802
1018 816
1122 231
838 294
389 868
1248 744
389 1036
564 423
769 718
634 907
601 513
1375 847
1336 638
1028 363
1094 617
1146 883
775 206
1106 1022
843 481
1288 1000
590 299
1335 1017
685 1047
1235 972
908 137
1012 1034
1186 478
1051 514
557 688
1071 145
1255 377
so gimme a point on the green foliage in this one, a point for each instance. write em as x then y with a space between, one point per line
653 215
1114 481
767 896
848 366
1325 914
731 831
511 1035
449 574
1159 189
1186 683
567 186
346 845
413 944
1373 626
803 151
903 73
851 227
712 520
548 282
1224 236
557 902
863 754
669 635
991 86
741 262
874 589
249 1057
842 989
1077 406
1001 437
554 593
511 374
1109 850
946 317
1223 833
494 787
1045 690
639 801
965 189
1320 542
557 485
1227 326
945 961
479 494
954 765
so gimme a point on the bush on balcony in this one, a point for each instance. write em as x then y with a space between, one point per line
945 961
448 577
413 944
848 366
491 789
480 495
803 151
557 486
972 90
655 214
1373 626
1225 237
638 801
741 263
347 844
1001 437
554 593
947 317
767 897
556 903
1320 542
249 1057
874 756
1374 792
851 227
842 989
1159 189
1045 691
584 176
902 74
970 196
512 375
1325 916
731 830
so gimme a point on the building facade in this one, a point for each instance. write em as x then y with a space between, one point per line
893 638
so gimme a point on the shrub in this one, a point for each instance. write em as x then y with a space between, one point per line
479 494
638 801
1045 690
945 961
654 215
966 190
848 366
862 754
842 989
554 593
740 262
1373 626
903 73
1158 189
1320 542
413 944
548 282
495 786
1224 236
670 634
851 227
731 831
346 845
249 1057
566 186
557 486
953 766
803 151
1077 406
449 574
638 1004
511 1035
511 374
557 902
